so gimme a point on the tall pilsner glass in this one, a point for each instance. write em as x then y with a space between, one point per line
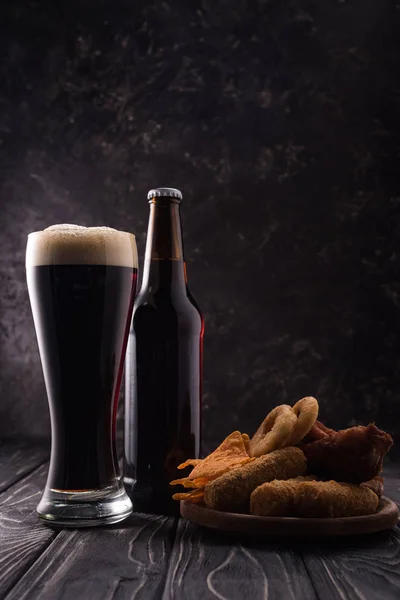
81 284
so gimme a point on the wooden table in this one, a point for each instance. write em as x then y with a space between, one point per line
155 557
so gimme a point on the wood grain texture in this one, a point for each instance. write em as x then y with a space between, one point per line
119 563
366 568
210 566
23 536
18 458
143 559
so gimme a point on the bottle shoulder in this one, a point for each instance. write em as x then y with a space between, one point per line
162 308
160 302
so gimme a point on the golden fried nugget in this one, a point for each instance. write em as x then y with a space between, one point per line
231 492
333 499
277 498
312 499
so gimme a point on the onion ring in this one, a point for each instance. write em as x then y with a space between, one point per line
274 431
306 411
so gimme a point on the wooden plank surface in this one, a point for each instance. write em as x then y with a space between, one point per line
120 562
19 458
144 559
362 569
22 536
208 565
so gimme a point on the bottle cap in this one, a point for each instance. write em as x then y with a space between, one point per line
166 192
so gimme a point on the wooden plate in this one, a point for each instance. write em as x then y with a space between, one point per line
385 518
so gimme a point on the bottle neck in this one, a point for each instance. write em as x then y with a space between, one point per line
164 261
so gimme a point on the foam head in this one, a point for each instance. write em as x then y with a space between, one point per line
76 245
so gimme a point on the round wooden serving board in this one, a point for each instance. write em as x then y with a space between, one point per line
385 517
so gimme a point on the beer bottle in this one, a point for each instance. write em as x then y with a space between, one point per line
163 365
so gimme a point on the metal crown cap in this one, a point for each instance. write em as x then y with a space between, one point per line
166 192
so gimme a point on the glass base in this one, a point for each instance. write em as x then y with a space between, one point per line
85 508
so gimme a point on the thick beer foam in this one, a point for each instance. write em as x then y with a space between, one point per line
76 245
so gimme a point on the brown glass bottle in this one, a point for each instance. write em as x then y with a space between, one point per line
163 365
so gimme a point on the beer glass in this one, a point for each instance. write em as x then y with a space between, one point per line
81 284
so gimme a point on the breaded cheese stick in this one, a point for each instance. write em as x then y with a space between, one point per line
231 492
276 498
312 499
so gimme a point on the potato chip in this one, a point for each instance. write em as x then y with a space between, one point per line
190 462
246 442
231 451
195 496
230 454
200 482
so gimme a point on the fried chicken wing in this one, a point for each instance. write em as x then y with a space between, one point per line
317 432
376 484
352 455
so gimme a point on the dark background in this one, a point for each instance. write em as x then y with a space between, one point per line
279 121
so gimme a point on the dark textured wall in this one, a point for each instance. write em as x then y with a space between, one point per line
279 120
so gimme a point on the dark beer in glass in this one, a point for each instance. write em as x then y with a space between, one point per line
163 365
81 284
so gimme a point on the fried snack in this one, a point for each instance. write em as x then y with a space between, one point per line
376 484
274 431
231 492
190 462
246 442
231 453
195 496
276 498
317 432
306 411
333 499
313 499
354 455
